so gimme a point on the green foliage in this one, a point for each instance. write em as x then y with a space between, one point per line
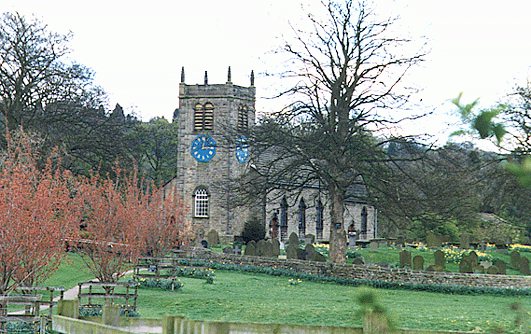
434 223
455 255
375 317
521 170
155 148
253 230
160 283
481 122
20 327
206 274
93 311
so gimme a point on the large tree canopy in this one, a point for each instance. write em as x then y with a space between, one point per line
155 149
56 99
34 73
349 70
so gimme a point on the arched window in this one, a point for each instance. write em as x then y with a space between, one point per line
203 116
319 220
363 223
201 203
283 218
302 218
243 118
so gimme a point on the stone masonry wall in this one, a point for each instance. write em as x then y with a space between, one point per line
398 275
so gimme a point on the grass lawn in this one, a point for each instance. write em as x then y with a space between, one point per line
71 272
242 297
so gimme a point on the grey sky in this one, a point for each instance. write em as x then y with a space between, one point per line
137 48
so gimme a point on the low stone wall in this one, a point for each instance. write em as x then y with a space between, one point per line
180 325
396 275
68 325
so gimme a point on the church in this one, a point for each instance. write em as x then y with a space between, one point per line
208 157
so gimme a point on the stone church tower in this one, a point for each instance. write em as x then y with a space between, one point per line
211 151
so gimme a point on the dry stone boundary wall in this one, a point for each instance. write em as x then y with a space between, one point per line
396 275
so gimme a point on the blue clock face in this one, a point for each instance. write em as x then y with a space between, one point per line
242 150
203 148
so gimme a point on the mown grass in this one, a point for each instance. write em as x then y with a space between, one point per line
243 297
71 272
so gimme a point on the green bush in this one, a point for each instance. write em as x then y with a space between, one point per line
93 311
253 230
160 283
430 222
20 327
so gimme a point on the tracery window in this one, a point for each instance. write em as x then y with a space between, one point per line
201 203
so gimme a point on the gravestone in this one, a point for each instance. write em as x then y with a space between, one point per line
465 266
440 260
309 251
358 261
228 250
268 249
212 237
418 262
250 249
260 248
405 258
524 265
309 239
292 252
473 258
318 257
373 244
237 248
293 239
502 267
515 260
493 270
275 247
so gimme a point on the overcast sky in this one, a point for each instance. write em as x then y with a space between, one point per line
137 48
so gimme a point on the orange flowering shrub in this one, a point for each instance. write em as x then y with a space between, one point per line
38 212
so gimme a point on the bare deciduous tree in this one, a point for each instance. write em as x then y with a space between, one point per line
349 70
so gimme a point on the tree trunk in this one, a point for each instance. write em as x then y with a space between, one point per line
338 236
